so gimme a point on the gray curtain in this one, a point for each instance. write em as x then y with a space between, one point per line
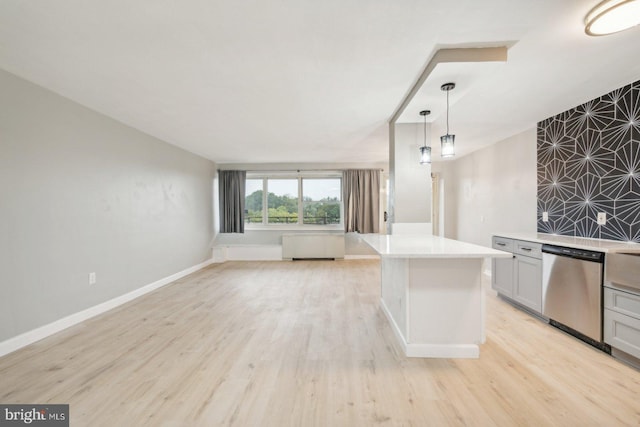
231 191
361 196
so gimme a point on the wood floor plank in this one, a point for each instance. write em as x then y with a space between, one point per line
306 344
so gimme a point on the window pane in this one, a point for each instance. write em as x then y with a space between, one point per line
253 201
321 213
282 200
321 200
321 189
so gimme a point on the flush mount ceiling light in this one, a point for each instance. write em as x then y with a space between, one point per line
425 151
612 16
447 142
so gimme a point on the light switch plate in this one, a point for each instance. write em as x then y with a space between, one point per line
545 216
92 278
602 218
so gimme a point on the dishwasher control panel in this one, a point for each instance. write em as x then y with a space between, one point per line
574 253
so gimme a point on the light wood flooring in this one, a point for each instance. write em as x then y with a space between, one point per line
306 344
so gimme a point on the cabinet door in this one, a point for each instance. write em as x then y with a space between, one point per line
502 276
622 332
527 288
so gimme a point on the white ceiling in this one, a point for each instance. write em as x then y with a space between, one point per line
311 81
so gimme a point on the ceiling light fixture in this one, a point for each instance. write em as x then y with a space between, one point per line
425 151
447 142
612 16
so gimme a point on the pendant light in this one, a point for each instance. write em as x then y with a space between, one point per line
447 147
425 151
611 16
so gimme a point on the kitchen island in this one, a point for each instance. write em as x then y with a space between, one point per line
431 293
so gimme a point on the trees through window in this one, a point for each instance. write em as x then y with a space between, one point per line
321 200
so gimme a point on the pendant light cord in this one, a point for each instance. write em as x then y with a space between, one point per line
447 111
425 130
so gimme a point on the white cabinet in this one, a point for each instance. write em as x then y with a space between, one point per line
502 268
527 288
519 278
622 332
621 327
622 320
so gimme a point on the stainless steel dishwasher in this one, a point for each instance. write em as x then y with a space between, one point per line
572 291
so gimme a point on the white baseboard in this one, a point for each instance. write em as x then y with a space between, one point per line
219 254
22 340
394 326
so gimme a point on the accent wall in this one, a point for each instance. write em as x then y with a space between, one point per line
589 163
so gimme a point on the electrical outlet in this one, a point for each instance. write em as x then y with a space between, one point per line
92 278
545 216
602 218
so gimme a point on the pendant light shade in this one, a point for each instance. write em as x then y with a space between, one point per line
447 145
425 155
611 16
447 142
425 151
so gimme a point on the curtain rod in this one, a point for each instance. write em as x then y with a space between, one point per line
302 170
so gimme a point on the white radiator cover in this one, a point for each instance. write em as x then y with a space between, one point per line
312 245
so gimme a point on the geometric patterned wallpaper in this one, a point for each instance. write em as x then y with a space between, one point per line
589 162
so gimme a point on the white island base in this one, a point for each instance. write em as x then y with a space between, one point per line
431 293
435 306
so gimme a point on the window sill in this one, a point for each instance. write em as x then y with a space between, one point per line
292 227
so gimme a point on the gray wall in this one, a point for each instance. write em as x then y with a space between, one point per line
491 190
81 193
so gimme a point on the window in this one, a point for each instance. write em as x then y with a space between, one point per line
253 201
293 199
321 200
282 200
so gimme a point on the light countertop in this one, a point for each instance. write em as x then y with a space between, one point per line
600 245
427 246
